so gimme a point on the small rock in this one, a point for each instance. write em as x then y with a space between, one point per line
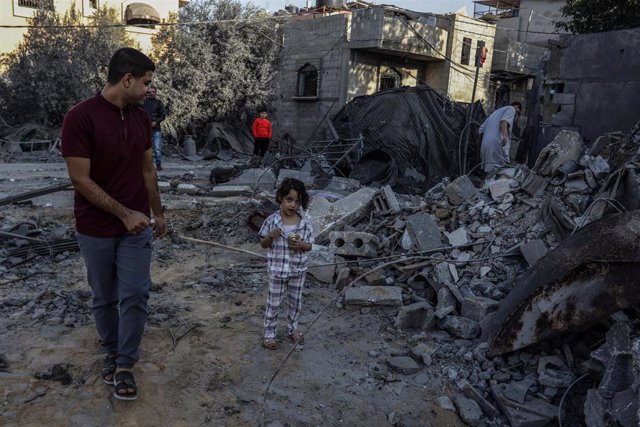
445 403
469 410
403 364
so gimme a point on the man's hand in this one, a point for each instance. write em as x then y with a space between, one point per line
275 233
160 227
135 222
503 140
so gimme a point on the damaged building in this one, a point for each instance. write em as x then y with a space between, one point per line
334 54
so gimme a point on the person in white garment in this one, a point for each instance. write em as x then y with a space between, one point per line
496 137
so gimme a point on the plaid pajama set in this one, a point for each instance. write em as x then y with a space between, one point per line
287 270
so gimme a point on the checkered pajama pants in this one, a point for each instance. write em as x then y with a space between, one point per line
277 287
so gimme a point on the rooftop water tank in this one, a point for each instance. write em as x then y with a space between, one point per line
331 3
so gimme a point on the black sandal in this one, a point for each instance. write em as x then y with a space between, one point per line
124 380
108 369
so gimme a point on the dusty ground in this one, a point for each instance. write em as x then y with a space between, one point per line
201 359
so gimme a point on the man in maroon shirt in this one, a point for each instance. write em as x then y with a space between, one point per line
106 143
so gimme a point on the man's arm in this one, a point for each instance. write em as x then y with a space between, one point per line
504 132
79 168
161 113
151 182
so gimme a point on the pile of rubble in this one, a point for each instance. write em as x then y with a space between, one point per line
447 259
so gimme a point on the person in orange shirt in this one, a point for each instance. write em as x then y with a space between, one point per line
261 131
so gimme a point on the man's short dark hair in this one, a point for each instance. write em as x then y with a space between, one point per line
128 60
517 104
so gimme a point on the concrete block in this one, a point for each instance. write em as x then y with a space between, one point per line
461 190
257 179
477 308
446 303
460 327
458 237
227 190
164 185
317 261
499 188
342 185
533 251
374 295
563 98
354 243
188 189
304 176
326 216
424 231
414 316
469 410
403 364
386 200
376 278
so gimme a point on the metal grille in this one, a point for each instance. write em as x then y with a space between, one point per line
37 4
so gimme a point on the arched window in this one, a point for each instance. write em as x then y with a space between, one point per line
307 81
390 79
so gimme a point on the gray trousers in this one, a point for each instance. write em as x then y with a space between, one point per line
119 273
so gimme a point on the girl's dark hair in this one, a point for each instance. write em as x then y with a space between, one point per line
289 184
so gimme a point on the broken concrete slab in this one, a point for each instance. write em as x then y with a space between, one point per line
188 189
458 237
164 185
321 264
445 403
424 231
499 188
534 412
535 184
460 327
326 216
374 295
461 190
304 176
472 393
257 179
414 316
567 145
341 184
446 303
533 251
226 190
403 364
477 308
343 278
354 243
469 410
386 200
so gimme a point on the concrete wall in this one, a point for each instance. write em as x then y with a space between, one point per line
12 14
460 77
366 68
318 41
600 76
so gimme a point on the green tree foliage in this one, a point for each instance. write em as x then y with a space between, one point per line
218 68
61 60
591 16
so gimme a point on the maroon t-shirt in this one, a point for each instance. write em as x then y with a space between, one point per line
115 141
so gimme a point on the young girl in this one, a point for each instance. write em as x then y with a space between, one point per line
288 235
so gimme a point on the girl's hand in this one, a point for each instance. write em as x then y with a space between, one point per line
298 245
275 233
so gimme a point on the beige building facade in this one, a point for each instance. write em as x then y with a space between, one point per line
149 12
329 58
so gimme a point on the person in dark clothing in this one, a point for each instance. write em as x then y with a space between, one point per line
261 131
155 108
106 143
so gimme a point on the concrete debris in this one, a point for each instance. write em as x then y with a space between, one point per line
533 251
403 364
445 403
374 295
469 410
460 327
533 412
414 316
461 190
567 145
355 244
386 200
424 231
257 179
